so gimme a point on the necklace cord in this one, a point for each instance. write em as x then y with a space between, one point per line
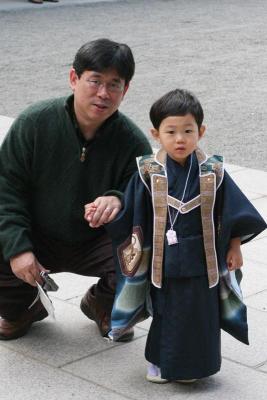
172 222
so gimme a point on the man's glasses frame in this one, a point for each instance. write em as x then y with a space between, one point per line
112 87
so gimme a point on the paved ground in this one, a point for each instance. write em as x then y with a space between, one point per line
217 49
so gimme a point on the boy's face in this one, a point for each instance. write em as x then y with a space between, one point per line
179 136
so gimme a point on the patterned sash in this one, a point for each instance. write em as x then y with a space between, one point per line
152 171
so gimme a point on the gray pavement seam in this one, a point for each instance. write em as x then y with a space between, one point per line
99 385
112 346
261 365
27 356
253 294
253 367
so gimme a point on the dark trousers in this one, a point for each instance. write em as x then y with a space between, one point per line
94 258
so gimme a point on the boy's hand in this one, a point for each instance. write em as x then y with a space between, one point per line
103 210
89 210
234 257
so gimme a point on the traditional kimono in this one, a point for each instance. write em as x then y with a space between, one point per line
185 286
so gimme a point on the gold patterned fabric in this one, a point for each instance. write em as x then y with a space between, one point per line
159 200
153 171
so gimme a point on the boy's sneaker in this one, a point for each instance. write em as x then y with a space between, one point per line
154 375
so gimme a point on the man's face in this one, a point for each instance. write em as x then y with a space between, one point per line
97 95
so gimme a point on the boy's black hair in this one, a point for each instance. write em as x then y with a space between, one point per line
175 103
103 54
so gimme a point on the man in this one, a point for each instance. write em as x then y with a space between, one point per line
57 156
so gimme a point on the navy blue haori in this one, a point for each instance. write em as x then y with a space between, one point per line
186 286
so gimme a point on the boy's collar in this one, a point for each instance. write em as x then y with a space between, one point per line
161 156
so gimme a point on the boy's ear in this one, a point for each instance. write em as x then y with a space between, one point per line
155 133
201 131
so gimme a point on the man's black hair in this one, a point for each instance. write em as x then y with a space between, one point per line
103 54
177 102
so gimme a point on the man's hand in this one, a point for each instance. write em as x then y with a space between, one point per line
234 257
103 210
27 268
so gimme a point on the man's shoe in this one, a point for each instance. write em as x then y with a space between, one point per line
19 327
95 312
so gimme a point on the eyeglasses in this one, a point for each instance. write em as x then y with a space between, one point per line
112 87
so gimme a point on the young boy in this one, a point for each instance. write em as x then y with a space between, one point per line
181 229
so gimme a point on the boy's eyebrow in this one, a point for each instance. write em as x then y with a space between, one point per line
175 126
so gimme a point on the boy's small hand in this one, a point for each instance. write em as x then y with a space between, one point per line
103 210
89 210
234 257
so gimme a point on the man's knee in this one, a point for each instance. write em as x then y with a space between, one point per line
15 300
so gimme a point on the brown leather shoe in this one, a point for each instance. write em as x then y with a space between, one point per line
95 312
19 327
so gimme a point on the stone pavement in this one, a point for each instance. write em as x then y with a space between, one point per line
67 359
216 48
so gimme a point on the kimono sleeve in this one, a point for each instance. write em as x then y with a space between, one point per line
131 234
236 217
239 218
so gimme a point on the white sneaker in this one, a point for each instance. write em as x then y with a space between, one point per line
154 375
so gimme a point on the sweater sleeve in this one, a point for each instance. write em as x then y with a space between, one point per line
129 166
16 155
141 149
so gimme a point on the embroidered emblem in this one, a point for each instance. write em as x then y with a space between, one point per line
214 164
149 167
130 252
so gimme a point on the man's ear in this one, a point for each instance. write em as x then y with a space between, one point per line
155 133
73 78
201 131
126 87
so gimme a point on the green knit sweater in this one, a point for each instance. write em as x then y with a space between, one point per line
44 185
